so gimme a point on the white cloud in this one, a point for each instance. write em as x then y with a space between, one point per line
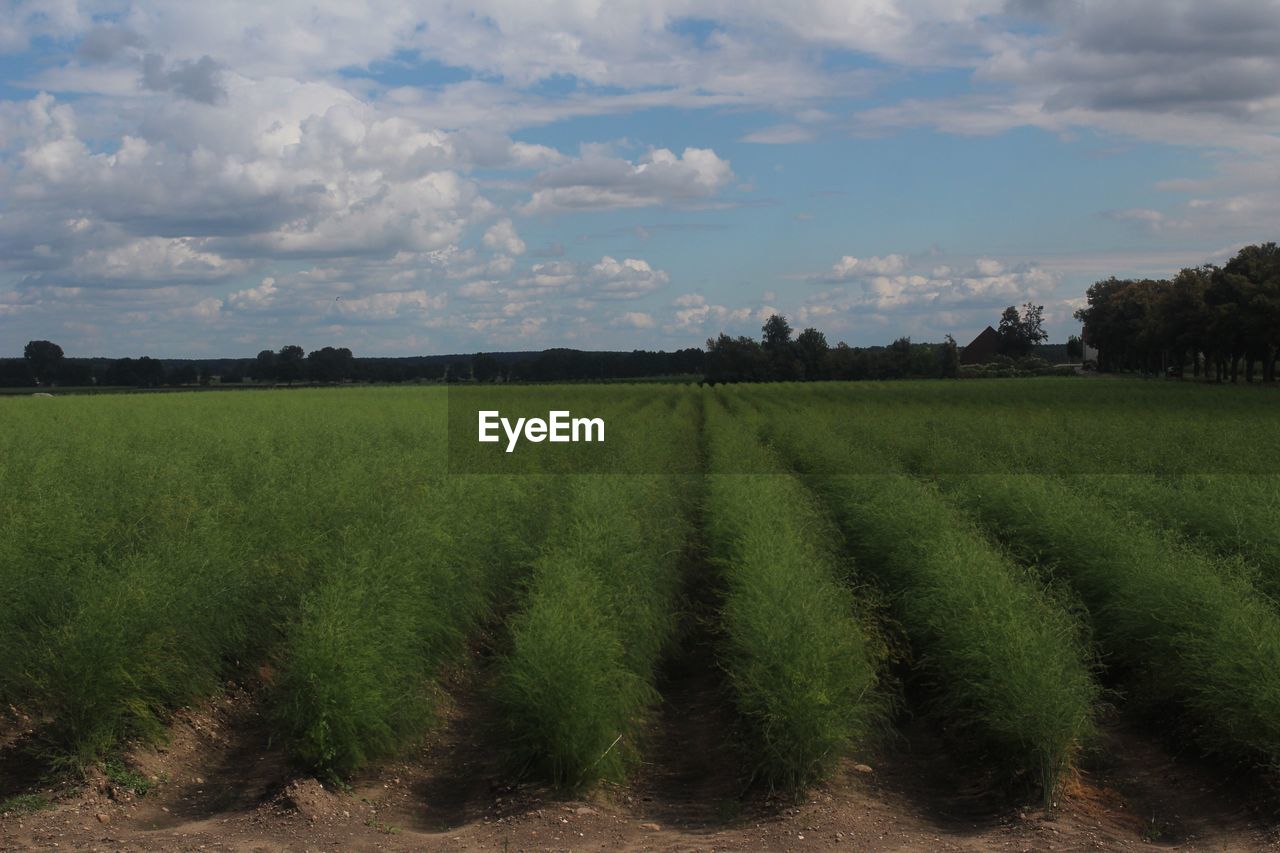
389 305
152 259
262 296
635 320
502 237
597 180
851 267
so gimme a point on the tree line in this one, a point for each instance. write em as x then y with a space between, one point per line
45 364
1217 320
777 356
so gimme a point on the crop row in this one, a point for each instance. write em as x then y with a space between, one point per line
1005 665
803 657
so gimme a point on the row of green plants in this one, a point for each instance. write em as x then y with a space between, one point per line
1177 627
153 548
394 603
1231 515
576 686
1187 632
802 654
1005 666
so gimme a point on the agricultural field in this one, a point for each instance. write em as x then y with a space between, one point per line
943 615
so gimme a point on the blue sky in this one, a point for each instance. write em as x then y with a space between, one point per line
403 178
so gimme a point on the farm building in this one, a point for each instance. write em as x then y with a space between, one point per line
982 348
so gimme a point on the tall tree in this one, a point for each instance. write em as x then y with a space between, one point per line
44 358
290 363
264 366
949 358
1019 333
1075 348
1260 266
330 364
777 333
812 346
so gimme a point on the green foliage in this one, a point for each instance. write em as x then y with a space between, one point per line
20 804
125 776
1006 663
153 547
576 687
1181 631
802 660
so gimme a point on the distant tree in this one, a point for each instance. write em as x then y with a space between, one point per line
150 372
949 359
75 372
458 371
290 364
777 333
44 358
1019 333
16 373
812 347
740 359
330 364
1075 348
1260 309
485 368
263 368
898 359
144 372
187 374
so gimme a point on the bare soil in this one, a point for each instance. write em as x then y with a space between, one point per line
221 784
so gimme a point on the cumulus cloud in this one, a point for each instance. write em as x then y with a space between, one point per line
607 279
198 80
262 296
184 152
851 267
389 305
502 237
694 313
635 320
597 180
155 259
894 282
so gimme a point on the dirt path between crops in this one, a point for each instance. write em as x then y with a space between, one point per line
222 784
451 795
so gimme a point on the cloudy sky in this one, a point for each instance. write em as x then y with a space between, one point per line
192 179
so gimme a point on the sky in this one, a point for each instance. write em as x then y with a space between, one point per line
402 178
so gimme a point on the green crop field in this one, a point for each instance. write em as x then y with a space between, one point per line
1015 562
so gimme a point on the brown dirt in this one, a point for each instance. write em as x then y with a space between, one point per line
220 784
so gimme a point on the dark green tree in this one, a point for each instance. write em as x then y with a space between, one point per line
485 368
331 364
812 347
44 358
777 333
1019 333
949 359
1075 348
263 368
290 364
